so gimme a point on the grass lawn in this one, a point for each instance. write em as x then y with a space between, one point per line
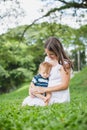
67 116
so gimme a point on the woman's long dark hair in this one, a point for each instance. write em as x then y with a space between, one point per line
53 44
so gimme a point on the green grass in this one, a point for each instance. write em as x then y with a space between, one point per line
67 116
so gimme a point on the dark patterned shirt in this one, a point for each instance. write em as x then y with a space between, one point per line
38 80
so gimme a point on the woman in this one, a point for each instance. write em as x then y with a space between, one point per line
59 77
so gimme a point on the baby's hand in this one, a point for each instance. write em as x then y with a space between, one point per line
46 99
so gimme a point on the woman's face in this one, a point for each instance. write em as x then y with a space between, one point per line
51 54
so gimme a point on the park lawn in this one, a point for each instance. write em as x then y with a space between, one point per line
67 116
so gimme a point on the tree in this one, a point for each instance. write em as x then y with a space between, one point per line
54 7
79 44
10 13
17 64
15 11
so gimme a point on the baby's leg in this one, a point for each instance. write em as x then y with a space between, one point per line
47 98
46 103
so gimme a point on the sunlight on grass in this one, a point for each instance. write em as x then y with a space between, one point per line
22 88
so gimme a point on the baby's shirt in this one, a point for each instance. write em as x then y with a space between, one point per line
38 80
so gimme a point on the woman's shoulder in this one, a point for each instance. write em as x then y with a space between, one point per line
65 66
66 63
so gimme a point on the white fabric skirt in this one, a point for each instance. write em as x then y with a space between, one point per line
57 97
33 101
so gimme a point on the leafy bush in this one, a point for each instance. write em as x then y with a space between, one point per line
20 75
13 79
16 66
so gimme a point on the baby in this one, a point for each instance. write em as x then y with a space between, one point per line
41 80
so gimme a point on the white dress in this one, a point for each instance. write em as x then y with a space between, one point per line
57 97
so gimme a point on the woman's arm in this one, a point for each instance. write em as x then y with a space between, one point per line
65 76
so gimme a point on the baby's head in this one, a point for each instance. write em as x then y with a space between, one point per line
44 69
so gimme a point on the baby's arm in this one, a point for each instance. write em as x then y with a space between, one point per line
31 86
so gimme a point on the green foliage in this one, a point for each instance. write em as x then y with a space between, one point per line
27 51
3 72
67 116
16 65
74 39
20 75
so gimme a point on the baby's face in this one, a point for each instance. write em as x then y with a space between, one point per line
44 74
